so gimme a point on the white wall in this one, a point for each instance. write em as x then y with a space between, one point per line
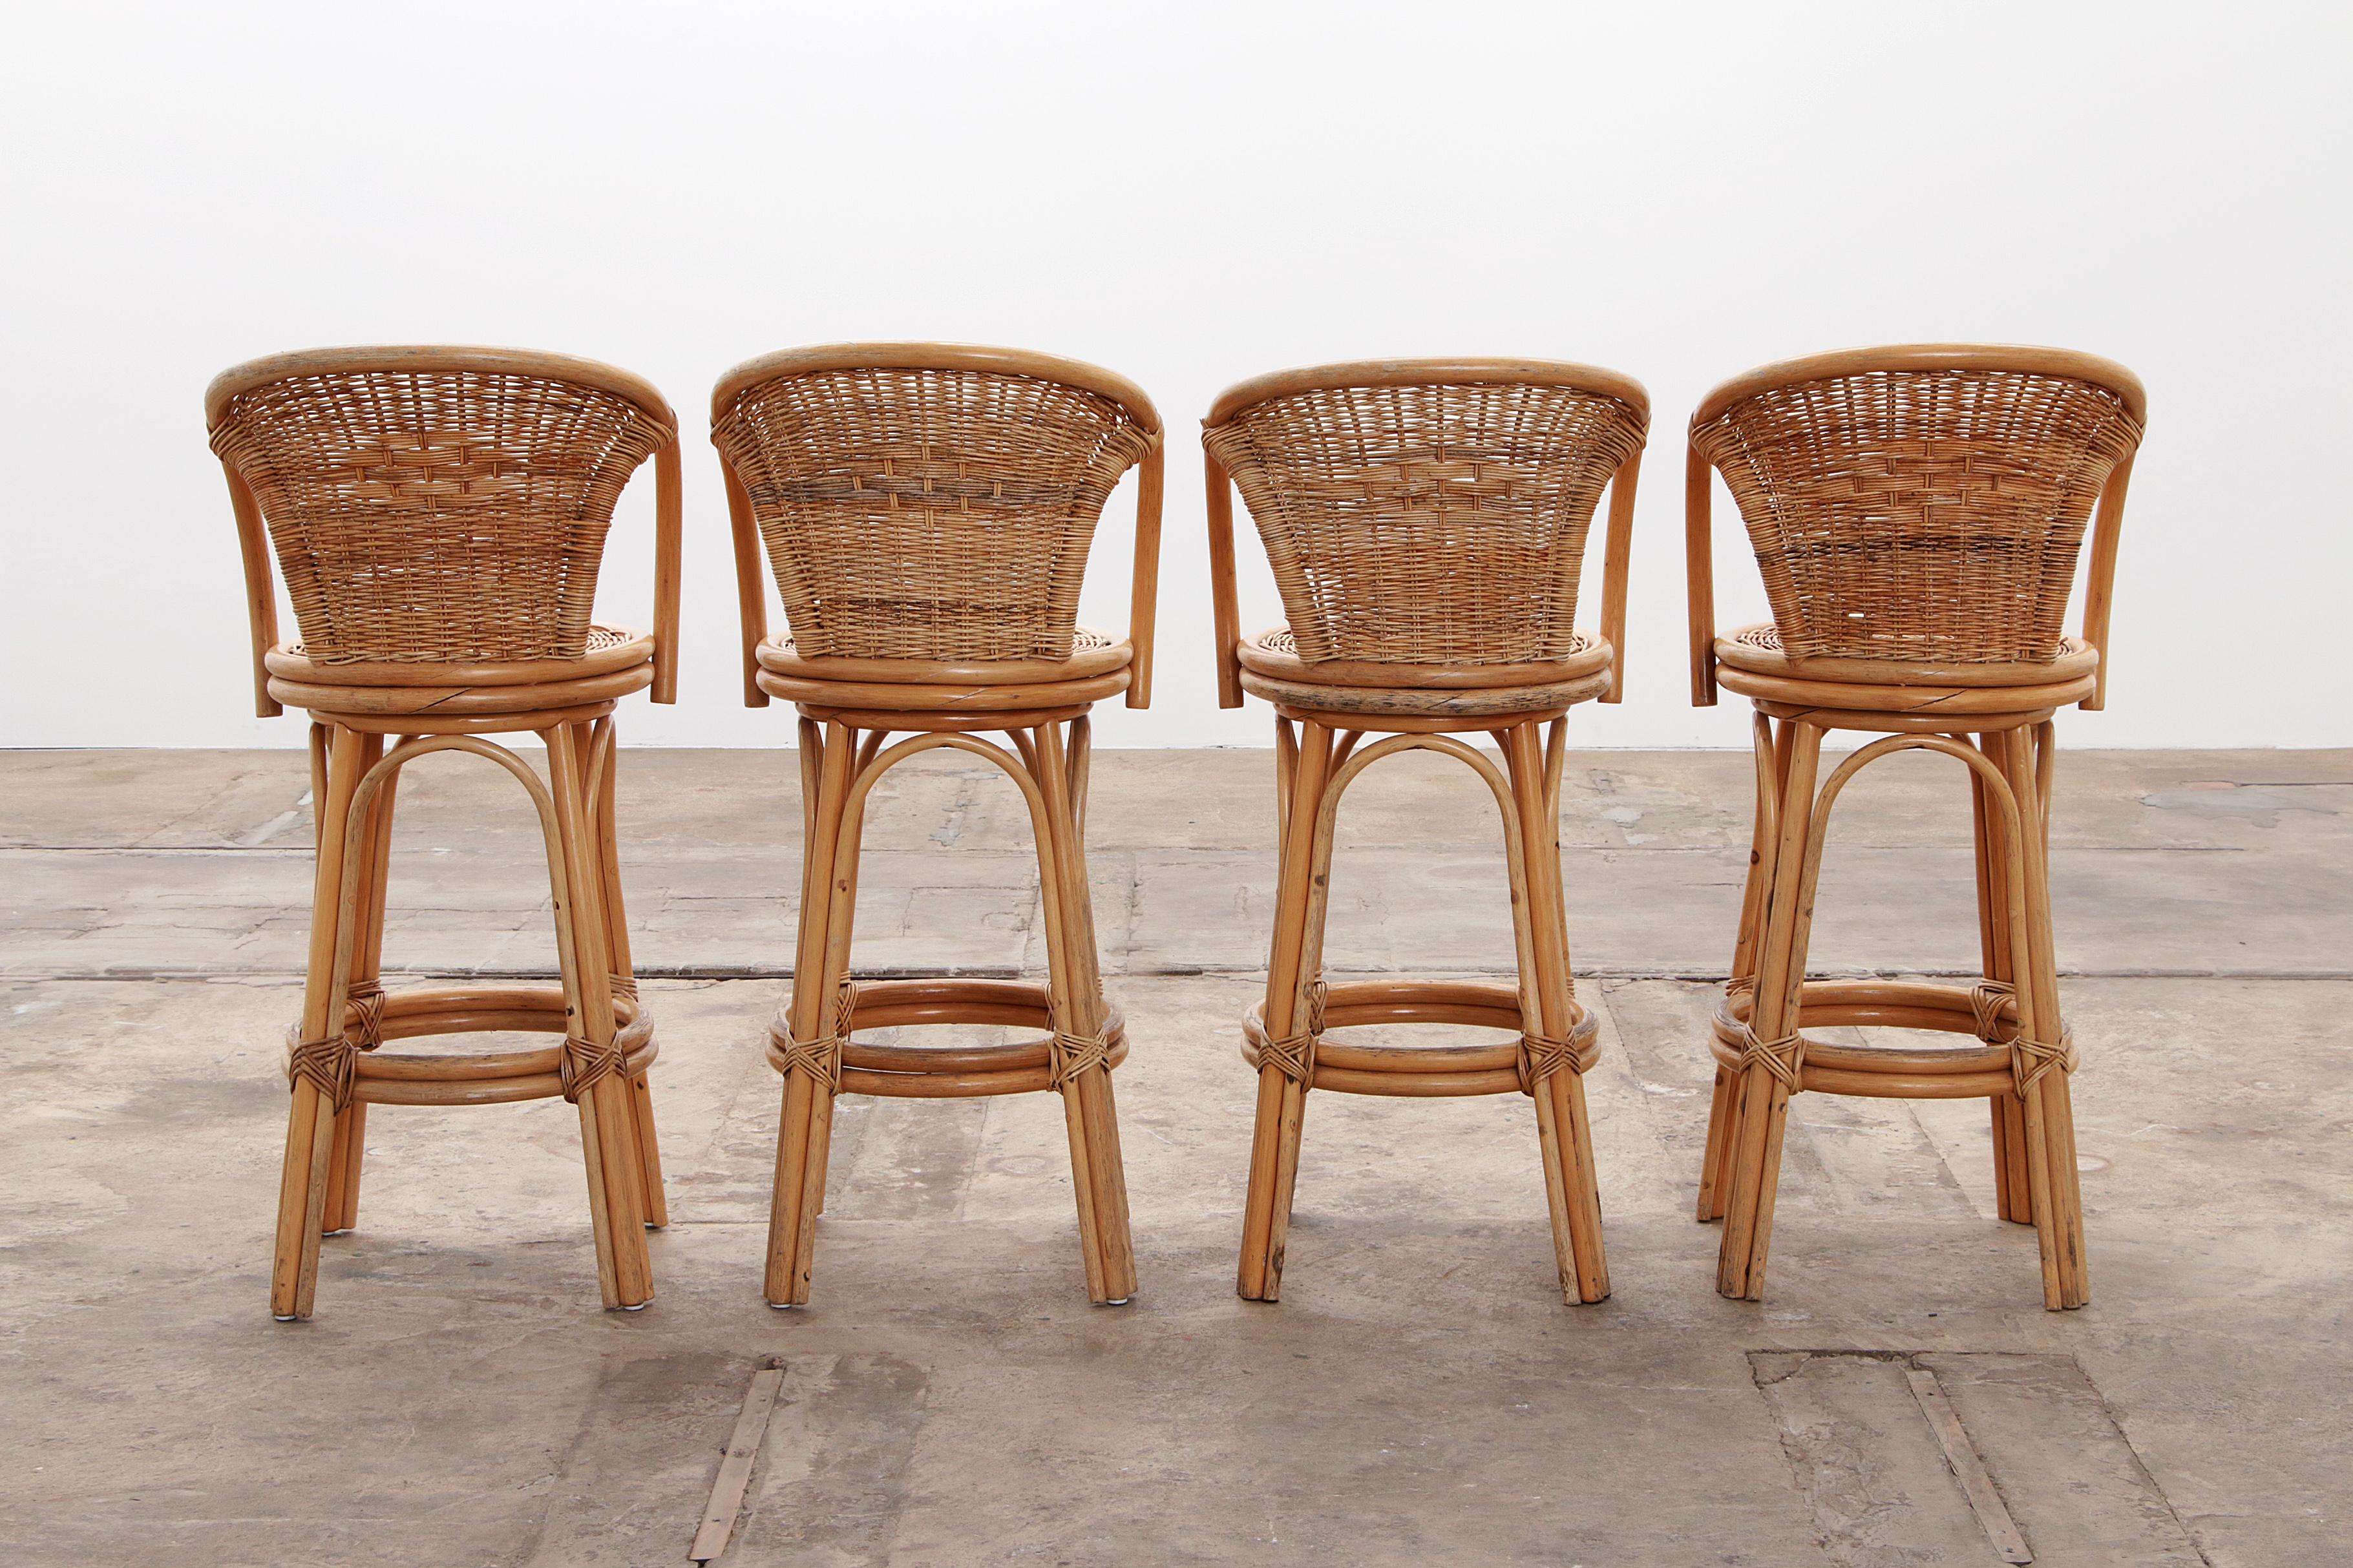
1188 194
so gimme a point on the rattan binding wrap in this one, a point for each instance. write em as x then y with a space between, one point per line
431 513
927 513
1929 514
1430 523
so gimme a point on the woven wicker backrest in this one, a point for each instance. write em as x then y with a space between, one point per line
1921 503
437 505
927 501
1428 512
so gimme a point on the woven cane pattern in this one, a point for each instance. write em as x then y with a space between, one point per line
1920 514
1428 524
331 1066
1067 1055
600 640
1541 1056
2030 1060
430 516
918 513
583 1064
365 1029
1295 1055
819 1056
1785 1058
1994 1004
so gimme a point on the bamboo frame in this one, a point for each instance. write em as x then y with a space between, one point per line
1225 611
319 1188
1618 554
1757 1039
2099 593
847 763
1328 707
1144 592
2034 1137
376 707
850 704
1526 789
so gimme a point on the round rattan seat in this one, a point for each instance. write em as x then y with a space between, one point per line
1099 666
619 661
1473 693
1899 694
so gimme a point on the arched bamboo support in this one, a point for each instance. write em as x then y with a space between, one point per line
1285 1038
1763 1055
810 1039
345 1009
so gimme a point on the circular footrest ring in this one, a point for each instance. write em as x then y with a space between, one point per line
481 1077
907 1071
1427 1071
1893 1073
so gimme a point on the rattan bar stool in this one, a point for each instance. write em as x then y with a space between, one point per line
1426 522
927 511
438 515
1917 513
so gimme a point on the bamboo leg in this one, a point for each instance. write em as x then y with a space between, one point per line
1063 980
1286 761
1772 754
1076 981
1081 753
319 746
652 1200
841 915
1321 826
339 1213
2012 1189
599 863
1761 1114
1563 1128
2040 1199
810 752
826 757
367 968
2047 1112
310 1118
604 752
608 1125
1282 1100
1723 1100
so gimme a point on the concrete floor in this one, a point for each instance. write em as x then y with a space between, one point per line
1420 1395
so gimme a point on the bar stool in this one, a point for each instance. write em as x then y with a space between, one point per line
1917 512
438 515
1426 522
926 510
